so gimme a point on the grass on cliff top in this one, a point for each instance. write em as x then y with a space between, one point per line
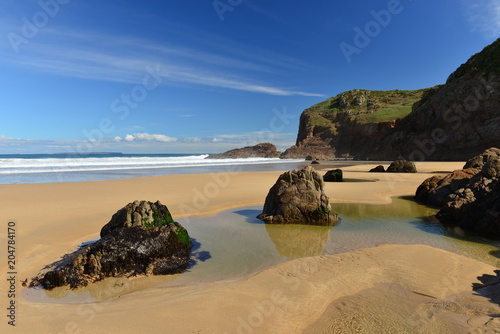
365 106
485 62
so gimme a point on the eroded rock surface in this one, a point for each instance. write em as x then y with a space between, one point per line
141 238
298 197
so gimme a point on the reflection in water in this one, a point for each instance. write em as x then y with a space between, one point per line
297 241
404 222
399 208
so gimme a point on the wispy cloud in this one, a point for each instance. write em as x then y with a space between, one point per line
105 58
484 16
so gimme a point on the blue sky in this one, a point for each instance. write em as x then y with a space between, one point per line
207 76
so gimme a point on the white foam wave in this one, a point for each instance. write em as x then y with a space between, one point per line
52 165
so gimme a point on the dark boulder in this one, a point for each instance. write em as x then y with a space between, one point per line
402 166
435 189
378 169
141 238
298 197
315 162
334 175
476 205
479 160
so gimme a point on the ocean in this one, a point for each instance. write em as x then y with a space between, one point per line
50 168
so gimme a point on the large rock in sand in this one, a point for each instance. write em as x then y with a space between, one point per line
141 238
298 197
479 160
476 205
334 175
402 166
435 189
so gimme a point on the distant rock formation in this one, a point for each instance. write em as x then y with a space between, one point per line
262 150
141 238
334 175
453 121
402 166
469 198
298 197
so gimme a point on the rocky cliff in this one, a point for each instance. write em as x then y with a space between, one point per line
262 150
447 122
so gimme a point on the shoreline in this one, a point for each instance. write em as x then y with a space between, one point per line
53 218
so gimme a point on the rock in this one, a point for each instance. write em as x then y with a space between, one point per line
402 166
315 162
476 205
298 197
435 189
479 160
449 122
262 150
310 158
140 238
334 175
378 169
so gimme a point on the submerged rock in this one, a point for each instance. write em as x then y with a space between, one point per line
298 197
334 175
141 238
402 166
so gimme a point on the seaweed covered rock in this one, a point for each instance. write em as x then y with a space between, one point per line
476 205
298 197
141 238
402 166
334 175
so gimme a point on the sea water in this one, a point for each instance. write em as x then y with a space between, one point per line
50 168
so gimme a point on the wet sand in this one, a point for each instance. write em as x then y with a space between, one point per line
293 297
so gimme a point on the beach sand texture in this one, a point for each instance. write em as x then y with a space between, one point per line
386 289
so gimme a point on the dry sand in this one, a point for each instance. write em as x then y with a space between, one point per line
392 288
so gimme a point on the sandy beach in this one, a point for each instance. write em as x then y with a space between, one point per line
386 289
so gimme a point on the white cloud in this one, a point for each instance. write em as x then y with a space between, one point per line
484 16
146 137
129 138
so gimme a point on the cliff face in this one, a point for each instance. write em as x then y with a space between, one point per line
449 122
347 123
